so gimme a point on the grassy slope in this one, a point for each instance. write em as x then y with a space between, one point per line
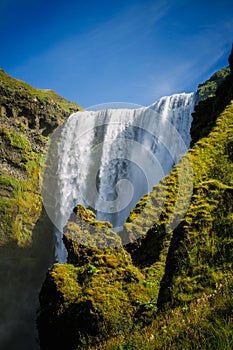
196 288
191 267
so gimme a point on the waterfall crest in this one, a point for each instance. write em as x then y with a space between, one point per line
108 159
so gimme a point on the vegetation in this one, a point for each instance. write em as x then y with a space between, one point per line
209 87
21 202
207 111
103 296
179 258
203 324
27 117
89 217
16 88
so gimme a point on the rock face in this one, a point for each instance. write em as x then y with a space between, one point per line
208 89
230 60
27 117
213 96
212 105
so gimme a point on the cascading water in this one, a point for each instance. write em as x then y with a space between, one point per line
108 159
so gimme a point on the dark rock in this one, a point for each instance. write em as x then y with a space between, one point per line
230 60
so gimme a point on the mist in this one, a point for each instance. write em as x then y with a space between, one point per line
22 272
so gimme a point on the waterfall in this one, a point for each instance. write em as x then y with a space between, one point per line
108 159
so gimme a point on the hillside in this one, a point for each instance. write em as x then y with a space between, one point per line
171 286
209 87
28 116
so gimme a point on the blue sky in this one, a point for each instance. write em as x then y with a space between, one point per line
94 52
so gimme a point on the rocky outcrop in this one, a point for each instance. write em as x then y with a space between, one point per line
84 235
209 88
98 292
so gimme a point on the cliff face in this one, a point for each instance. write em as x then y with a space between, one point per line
211 103
27 117
184 268
209 87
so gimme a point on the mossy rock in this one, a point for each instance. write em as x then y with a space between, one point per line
209 87
90 217
103 297
84 233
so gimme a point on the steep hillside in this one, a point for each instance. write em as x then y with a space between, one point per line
170 286
28 116
209 87
212 103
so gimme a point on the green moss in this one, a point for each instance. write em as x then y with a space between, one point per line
201 247
6 219
208 110
17 140
89 217
22 202
108 289
209 87
8 183
203 324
